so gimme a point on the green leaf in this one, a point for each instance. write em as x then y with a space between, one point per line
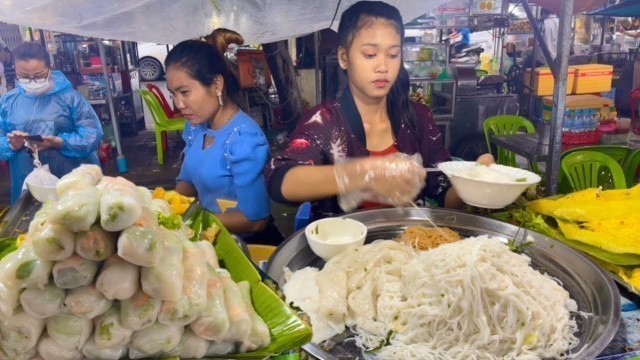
25 269
522 179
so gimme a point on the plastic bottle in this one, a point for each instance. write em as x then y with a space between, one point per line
580 121
567 122
596 119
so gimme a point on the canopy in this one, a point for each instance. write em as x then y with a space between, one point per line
629 8
171 21
579 6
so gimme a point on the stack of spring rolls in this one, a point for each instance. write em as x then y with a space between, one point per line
97 277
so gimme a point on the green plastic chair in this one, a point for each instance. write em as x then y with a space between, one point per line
507 125
618 152
161 121
586 169
630 167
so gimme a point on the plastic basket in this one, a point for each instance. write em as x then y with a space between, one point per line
573 138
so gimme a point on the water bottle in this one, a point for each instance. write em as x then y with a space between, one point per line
580 121
595 118
567 122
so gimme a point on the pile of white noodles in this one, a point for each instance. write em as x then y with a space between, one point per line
470 299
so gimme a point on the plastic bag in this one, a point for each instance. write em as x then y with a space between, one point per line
40 176
403 172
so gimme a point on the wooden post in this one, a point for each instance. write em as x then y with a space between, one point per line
284 77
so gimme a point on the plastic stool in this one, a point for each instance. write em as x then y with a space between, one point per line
302 216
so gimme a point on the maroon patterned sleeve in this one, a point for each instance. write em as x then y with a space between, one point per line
306 147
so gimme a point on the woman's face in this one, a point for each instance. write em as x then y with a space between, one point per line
197 103
31 69
373 60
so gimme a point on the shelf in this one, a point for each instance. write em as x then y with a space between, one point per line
98 102
443 94
421 61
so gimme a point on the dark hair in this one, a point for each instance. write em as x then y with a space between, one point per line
203 62
360 16
31 51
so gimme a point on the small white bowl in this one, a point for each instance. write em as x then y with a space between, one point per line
483 193
331 236
42 193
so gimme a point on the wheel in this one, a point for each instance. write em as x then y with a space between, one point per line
150 69
471 147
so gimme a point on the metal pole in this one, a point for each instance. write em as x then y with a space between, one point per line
561 68
122 163
316 49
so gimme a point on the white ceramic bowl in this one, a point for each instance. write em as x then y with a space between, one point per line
483 193
331 236
42 193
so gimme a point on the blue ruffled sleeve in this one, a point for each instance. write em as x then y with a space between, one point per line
248 155
88 131
187 137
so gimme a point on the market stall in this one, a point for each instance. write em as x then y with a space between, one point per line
593 321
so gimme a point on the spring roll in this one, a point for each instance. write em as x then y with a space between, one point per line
109 331
96 244
239 318
49 349
89 350
68 330
119 205
74 272
213 323
23 268
77 210
220 348
40 219
9 294
87 302
139 311
42 303
209 253
145 196
259 336
164 282
53 242
194 289
161 206
118 279
141 245
191 346
20 333
85 175
30 354
155 340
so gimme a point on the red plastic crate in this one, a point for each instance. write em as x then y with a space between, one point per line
587 137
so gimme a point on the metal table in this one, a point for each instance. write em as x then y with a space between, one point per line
525 145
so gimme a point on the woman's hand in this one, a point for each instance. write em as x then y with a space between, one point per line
396 180
48 142
16 139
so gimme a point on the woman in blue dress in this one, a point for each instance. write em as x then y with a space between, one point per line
226 150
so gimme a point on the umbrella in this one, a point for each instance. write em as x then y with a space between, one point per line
629 8
171 21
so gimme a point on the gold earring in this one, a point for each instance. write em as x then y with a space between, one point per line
220 99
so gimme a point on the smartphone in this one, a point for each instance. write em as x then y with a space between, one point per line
33 138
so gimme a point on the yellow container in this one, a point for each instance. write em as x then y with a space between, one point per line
592 78
543 82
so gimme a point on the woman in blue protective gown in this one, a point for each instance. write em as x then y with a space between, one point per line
44 103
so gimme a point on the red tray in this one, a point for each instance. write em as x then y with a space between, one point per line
587 137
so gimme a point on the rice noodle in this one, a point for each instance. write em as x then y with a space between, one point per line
472 299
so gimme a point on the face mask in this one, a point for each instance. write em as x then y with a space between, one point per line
34 88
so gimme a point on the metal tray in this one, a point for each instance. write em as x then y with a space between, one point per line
589 285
